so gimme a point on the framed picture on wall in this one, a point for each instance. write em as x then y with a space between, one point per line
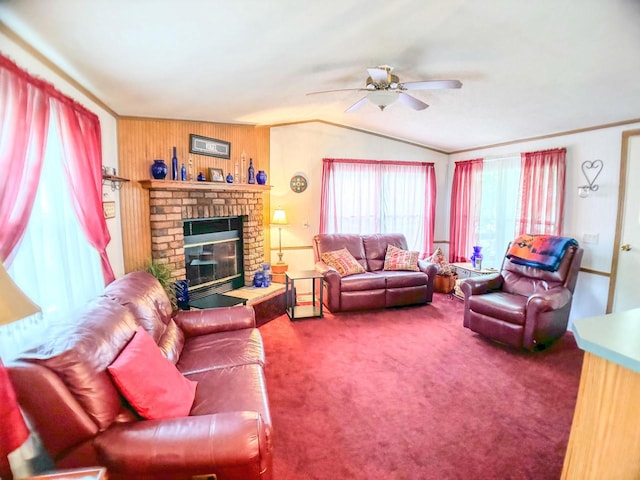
216 175
209 146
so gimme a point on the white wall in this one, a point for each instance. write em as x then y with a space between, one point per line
108 123
593 215
300 148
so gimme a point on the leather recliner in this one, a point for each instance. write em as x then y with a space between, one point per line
522 306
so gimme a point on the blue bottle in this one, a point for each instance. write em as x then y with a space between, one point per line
174 165
251 178
183 173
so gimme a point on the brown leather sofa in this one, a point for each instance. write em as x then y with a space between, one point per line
376 288
64 387
522 306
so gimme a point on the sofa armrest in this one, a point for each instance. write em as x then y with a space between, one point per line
481 284
194 445
210 320
431 269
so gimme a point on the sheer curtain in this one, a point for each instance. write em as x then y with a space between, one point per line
54 264
82 160
368 196
466 194
24 118
498 208
542 184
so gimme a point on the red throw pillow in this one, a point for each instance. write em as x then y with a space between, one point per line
399 259
343 262
152 384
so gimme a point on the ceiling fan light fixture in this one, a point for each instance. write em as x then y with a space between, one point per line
382 98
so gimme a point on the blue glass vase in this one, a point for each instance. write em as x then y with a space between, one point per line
476 257
159 169
261 177
229 178
182 294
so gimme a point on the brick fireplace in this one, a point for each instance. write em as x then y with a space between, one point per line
170 203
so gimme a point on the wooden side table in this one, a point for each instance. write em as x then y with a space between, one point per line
295 311
466 270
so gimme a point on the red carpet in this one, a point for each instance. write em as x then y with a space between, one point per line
409 393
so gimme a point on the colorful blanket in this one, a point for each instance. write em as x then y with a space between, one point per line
539 251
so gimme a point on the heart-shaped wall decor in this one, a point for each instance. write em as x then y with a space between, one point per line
591 170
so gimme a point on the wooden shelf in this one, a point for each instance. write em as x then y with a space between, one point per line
179 185
116 182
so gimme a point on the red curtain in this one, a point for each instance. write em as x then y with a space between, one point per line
542 188
430 208
325 194
24 123
466 194
82 146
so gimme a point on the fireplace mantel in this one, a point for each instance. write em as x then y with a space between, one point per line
201 186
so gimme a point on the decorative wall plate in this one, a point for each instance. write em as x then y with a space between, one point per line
298 183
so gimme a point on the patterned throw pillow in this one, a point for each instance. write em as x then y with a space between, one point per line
398 259
444 268
343 262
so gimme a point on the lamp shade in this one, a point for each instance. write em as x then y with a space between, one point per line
279 217
14 305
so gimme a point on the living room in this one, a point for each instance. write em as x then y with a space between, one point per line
298 147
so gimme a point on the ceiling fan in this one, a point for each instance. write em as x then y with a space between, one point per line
384 88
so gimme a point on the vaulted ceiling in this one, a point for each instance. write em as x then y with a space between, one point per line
528 68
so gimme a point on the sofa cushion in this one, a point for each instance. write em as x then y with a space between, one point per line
141 293
363 281
329 242
402 278
343 262
152 384
399 259
375 247
221 350
80 350
444 267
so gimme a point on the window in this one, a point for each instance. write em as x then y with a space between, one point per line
366 196
54 263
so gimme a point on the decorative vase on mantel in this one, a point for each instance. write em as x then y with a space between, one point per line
261 177
476 257
159 169
251 174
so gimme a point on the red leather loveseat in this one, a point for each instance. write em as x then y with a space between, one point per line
375 287
82 418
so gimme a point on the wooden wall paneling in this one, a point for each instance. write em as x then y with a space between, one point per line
142 140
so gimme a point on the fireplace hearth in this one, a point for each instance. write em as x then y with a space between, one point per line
172 204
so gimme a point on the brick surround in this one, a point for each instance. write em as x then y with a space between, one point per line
170 205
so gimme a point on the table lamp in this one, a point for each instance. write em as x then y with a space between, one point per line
278 270
279 219
14 305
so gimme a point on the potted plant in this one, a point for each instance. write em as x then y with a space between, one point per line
163 275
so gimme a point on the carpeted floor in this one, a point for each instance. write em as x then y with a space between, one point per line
409 393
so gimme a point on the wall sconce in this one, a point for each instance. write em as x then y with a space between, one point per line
590 170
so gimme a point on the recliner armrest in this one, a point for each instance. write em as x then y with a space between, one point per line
194 445
481 284
210 320
553 299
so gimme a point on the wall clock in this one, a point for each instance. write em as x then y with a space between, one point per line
298 183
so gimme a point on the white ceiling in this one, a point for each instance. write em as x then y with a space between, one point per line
528 67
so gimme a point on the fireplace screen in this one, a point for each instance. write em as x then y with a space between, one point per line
213 255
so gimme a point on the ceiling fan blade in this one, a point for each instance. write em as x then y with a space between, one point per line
432 85
379 75
412 102
338 90
356 105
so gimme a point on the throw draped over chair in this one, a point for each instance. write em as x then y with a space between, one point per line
523 306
